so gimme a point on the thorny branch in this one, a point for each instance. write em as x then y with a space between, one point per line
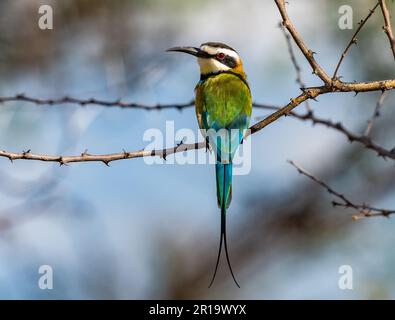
309 93
330 86
387 25
376 113
364 139
105 103
106 159
309 54
91 101
354 39
295 63
364 210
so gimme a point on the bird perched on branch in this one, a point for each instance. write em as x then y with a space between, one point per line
223 109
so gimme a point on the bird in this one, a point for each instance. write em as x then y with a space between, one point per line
223 106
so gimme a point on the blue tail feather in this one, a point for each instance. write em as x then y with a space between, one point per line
224 195
224 183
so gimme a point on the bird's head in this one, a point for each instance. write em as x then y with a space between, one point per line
214 57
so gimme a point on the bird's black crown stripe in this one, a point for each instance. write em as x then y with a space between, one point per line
218 45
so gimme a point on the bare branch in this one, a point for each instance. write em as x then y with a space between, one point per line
106 159
105 103
352 137
376 113
314 92
366 141
92 101
363 209
387 25
354 39
308 93
309 54
298 70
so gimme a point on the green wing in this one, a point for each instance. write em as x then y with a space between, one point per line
223 101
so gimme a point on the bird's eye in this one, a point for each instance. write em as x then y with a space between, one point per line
221 56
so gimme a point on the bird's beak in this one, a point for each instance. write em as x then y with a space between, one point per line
190 50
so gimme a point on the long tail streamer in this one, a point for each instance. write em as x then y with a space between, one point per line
223 234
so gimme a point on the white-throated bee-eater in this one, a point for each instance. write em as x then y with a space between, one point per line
223 109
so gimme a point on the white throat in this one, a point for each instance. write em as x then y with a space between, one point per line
211 66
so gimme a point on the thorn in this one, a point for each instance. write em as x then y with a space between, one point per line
85 153
125 153
106 162
335 204
61 162
312 53
180 143
309 114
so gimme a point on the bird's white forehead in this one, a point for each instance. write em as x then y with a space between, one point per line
216 50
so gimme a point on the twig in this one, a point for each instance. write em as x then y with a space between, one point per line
387 25
354 39
309 54
92 101
376 113
106 159
104 103
363 209
298 70
314 92
366 141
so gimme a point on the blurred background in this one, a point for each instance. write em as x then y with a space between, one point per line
138 231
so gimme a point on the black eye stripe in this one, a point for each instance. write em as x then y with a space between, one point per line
228 61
